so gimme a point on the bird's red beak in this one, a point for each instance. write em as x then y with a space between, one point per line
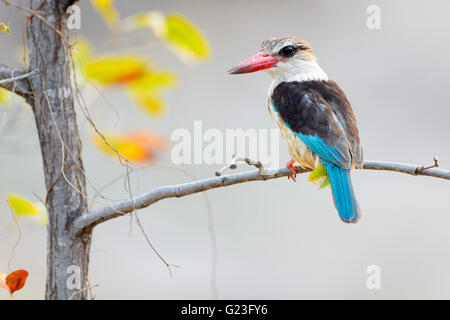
258 62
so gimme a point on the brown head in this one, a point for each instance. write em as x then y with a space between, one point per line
283 57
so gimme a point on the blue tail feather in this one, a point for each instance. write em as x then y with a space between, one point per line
343 194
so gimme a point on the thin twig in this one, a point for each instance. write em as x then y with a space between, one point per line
422 168
211 230
18 86
82 290
37 15
168 265
23 76
63 147
19 236
233 164
67 167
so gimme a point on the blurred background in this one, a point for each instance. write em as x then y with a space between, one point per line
275 239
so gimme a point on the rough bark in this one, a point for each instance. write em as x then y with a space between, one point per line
55 118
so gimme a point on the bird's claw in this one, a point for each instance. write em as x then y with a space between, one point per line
291 166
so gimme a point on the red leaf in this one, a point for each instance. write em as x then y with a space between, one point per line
16 280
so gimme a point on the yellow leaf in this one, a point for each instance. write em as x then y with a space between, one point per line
107 11
148 101
155 20
81 53
42 216
116 69
138 146
317 173
181 35
141 81
21 206
81 50
129 149
319 177
4 27
186 39
24 208
131 70
154 80
5 96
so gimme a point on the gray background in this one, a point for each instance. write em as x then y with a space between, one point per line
275 239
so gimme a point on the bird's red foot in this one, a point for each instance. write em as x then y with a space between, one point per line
290 165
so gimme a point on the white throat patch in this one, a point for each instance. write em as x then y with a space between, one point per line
298 70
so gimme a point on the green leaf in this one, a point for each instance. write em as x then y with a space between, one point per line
325 183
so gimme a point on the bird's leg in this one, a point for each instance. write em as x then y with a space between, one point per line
291 166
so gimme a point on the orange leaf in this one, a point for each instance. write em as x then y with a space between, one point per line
148 138
16 280
138 146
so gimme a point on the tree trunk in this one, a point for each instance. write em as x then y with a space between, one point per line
53 106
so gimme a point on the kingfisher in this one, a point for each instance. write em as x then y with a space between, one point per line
314 116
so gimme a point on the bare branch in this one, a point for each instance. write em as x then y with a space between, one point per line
123 207
16 80
408 168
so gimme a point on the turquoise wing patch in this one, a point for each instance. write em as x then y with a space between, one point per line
324 151
338 155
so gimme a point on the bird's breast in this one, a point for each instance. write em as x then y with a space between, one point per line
299 152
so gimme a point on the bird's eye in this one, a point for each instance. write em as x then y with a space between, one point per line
287 51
